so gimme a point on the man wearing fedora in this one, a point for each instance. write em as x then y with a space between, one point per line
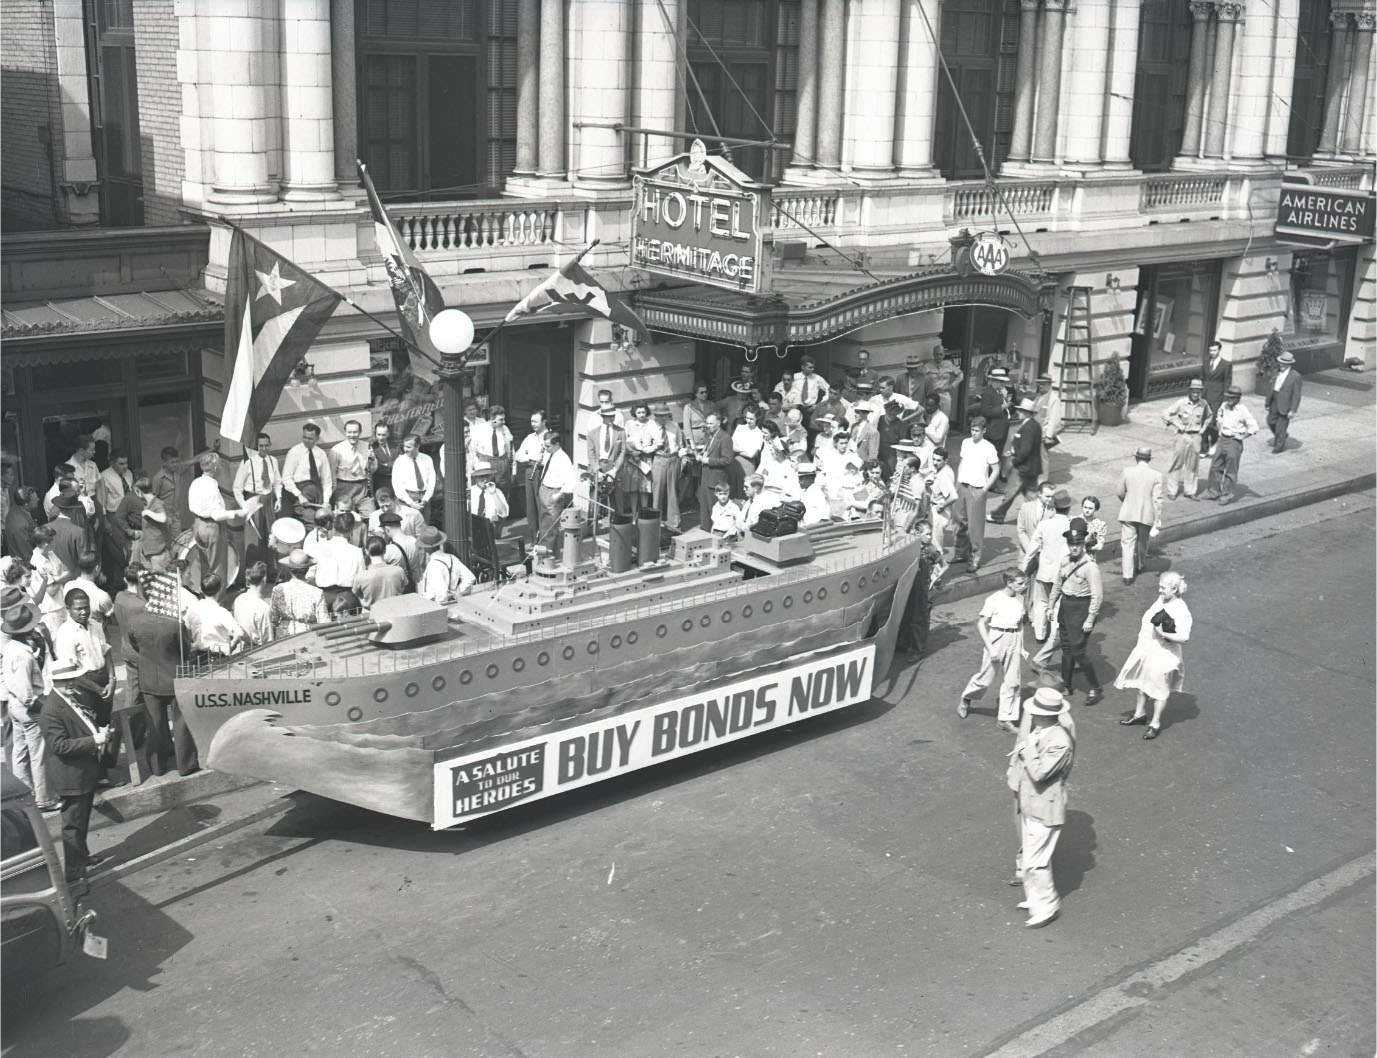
21 678
1024 449
665 467
75 746
1187 417
1234 424
1140 508
1282 400
444 578
297 604
1039 768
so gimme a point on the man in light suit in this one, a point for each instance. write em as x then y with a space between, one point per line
1217 375
1038 769
1282 401
606 453
1140 493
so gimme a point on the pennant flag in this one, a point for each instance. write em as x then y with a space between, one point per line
273 312
572 291
418 298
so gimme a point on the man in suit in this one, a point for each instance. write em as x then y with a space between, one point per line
1217 376
1140 493
158 642
1038 769
1282 401
715 458
382 453
20 522
606 452
988 401
69 538
1025 452
75 743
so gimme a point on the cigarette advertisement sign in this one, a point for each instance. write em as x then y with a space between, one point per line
699 217
469 787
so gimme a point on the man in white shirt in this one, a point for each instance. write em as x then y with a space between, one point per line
387 502
443 578
1049 543
115 482
210 627
209 551
555 479
665 467
413 476
489 509
811 387
491 447
884 395
528 458
83 462
258 475
306 463
816 508
942 495
349 466
88 568
252 610
338 561
80 642
976 474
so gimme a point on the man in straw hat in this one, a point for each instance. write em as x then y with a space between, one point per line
1039 767
1186 418
296 603
75 746
21 678
1283 398
1024 449
665 477
444 578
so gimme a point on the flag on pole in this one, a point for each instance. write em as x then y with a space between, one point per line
162 594
273 312
418 298
572 291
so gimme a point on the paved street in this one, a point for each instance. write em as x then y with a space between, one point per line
835 890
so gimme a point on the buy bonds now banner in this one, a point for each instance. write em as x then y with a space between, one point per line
478 785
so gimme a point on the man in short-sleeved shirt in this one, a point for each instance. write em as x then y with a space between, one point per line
976 474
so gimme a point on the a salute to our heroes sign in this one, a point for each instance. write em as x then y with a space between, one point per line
699 217
483 783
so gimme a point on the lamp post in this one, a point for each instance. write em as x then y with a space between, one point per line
451 332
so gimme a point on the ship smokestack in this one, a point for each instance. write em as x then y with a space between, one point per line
648 536
621 539
571 523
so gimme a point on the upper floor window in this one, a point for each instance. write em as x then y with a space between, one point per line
1159 94
743 76
979 41
1311 76
437 95
115 110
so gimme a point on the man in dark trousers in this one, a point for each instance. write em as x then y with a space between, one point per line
1025 453
75 743
158 642
1282 401
1217 375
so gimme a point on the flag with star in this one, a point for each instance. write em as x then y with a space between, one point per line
418 298
572 291
273 312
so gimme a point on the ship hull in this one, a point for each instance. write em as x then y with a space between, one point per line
371 730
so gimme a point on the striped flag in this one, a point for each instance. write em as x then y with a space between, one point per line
273 312
418 298
162 594
572 291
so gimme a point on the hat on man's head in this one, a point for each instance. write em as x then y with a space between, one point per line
1144 453
1286 358
288 532
480 473
1077 532
66 500
389 518
20 618
607 411
1061 500
906 446
829 418
1196 384
1046 701
805 468
1045 378
998 374
659 408
862 409
430 538
865 387
66 669
1233 391
11 595
297 560
1026 404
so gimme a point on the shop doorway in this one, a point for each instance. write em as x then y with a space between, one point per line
535 373
976 338
1174 323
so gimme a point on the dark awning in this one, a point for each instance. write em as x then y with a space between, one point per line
99 327
808 307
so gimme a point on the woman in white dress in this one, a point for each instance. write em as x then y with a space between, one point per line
1156 667
747 441
778 472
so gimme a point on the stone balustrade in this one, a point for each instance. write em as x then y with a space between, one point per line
1175 190
969 202
477 226
806 210
1351 178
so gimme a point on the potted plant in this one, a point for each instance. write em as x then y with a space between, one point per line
1267 366
1111 394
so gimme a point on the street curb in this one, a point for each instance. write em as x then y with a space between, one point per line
276 807
133 802
1226 517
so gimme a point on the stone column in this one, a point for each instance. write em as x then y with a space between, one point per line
1195 83
344 90
527 88
236 104
1364 22
599 40
307 103
873 36
1123 65
806 101
1049 82
917 88
831 43
1259 69
550 154
1279 101
1230 15
1025 86
1338 81
1086 88
657 79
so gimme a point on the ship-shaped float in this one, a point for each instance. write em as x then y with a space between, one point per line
613 653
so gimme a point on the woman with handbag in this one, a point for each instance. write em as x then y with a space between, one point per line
1155 668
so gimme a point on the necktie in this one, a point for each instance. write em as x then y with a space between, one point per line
606 442
315 470
482 503
803 397
416 468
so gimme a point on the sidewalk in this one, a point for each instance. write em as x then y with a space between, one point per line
1332 451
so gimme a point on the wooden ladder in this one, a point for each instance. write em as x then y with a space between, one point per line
1077 384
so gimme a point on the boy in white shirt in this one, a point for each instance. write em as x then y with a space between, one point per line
726 513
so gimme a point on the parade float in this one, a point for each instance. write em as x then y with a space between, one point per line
612 654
